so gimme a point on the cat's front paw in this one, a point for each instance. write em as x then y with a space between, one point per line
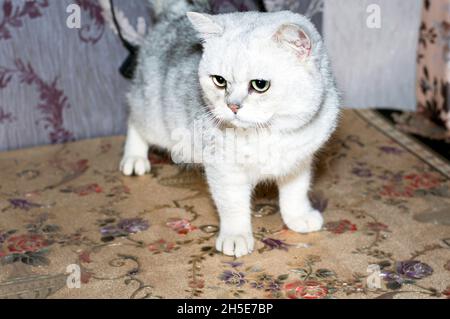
306 223
137 165
235 244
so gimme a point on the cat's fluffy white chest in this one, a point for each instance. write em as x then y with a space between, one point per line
261 154
275 155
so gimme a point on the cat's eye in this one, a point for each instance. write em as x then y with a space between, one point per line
260 86
219 81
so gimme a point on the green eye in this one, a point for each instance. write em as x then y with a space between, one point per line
260 86
219 81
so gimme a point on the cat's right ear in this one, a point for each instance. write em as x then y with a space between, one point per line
205 25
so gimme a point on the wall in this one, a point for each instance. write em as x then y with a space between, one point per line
374 67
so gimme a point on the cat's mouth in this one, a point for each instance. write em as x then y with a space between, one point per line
238 123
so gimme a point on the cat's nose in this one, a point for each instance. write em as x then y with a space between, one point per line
234 107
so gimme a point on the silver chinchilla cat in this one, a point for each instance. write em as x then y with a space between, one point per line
260 80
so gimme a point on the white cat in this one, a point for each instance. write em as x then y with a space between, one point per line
264 74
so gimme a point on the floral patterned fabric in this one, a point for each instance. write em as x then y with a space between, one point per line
313 9
384 198
433 91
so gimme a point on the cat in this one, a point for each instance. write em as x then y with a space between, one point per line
251 75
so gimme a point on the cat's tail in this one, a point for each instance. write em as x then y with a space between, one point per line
172 9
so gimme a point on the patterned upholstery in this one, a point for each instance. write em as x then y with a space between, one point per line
433 78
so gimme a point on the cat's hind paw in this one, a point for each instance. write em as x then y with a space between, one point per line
306 223
235 245
137 165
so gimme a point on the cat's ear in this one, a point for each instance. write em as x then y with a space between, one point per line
205 25
295 38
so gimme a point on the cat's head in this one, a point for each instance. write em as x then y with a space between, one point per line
260 69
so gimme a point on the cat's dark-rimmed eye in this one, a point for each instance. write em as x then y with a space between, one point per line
219 81
260 86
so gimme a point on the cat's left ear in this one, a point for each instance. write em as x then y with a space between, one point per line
205 25
295 38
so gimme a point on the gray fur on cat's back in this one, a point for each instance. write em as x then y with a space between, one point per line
166 86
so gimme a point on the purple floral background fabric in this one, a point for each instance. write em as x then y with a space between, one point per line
59 84
433 63
313 9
